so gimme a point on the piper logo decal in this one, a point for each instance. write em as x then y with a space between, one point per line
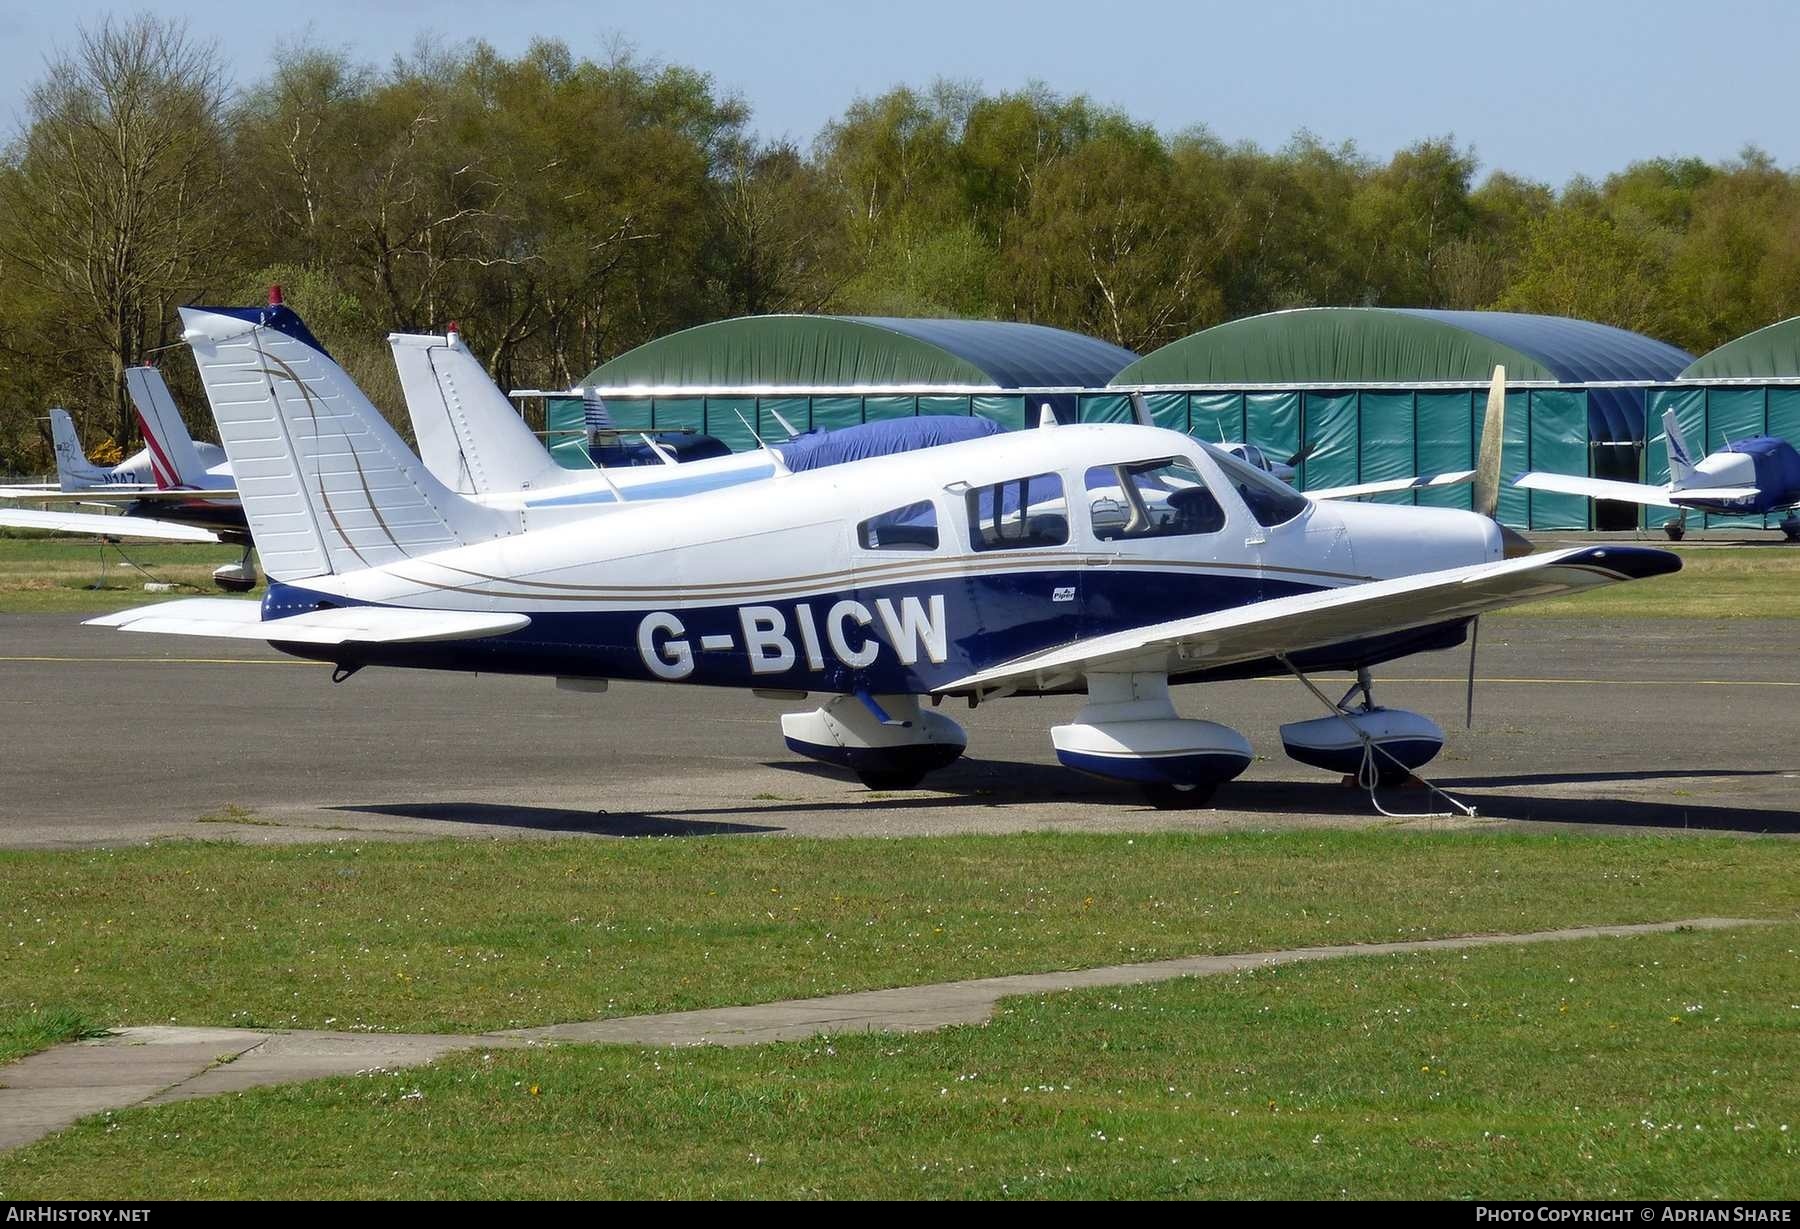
775 640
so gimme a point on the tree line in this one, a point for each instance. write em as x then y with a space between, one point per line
564 209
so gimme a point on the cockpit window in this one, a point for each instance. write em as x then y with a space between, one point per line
1020 512
1270 500
1151 499
913 527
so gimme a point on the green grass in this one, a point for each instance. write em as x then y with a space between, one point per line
39 1029
1657 1067
1715 582
45 575
453 936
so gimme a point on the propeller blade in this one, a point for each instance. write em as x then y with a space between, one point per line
1140 411
1303 453
1486 497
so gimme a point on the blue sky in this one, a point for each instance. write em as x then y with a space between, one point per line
1540 88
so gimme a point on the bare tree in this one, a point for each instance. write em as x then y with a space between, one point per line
119 175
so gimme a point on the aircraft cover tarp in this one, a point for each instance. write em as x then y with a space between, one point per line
880 439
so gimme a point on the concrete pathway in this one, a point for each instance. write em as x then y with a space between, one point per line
153 1066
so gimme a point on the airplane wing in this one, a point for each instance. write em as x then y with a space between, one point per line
241 619
1596 488
116 495
1313 620
1453 478
101 525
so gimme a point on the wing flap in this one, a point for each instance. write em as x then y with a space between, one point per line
1596 488
1333 616
239 619
100 525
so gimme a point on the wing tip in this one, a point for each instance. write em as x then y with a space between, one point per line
1630 562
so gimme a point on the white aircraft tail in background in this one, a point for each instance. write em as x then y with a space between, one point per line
469 434
74 472
176 460
1681 461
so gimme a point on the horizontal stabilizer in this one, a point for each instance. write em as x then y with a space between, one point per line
1419 483
100 525
1333 616
1596 488
242 620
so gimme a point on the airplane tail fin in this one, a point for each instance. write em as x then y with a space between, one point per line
74 472
469 434
173 457
1681 461
327 485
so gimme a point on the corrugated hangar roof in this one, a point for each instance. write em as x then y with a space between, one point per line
1771 351
1385 345
1376 345
864 351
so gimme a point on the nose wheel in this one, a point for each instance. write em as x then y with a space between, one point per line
1170 797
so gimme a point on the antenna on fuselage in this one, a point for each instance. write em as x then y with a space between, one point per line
781 467
785 424
1046 415
664 457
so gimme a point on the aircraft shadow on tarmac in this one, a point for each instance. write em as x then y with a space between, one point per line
1000 783
1004 783
557 819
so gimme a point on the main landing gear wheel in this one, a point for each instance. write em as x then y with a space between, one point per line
1180 797
883 781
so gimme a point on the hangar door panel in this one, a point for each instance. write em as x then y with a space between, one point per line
1559 444
1388 442
1731 414
1445 438
1217 418
1272 423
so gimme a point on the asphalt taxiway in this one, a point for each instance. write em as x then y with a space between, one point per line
107 738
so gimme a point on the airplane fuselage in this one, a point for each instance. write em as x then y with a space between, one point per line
781 584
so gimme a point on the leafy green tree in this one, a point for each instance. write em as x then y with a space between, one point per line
113 194
1581 263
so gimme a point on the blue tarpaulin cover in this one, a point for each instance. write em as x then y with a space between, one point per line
1777 470
817 449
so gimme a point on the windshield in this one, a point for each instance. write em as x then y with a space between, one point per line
1270 500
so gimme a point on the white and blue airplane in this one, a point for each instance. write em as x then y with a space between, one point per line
976 569
1748 477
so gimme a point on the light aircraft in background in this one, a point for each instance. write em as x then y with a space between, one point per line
1748 477
472 439
975 569
175 490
